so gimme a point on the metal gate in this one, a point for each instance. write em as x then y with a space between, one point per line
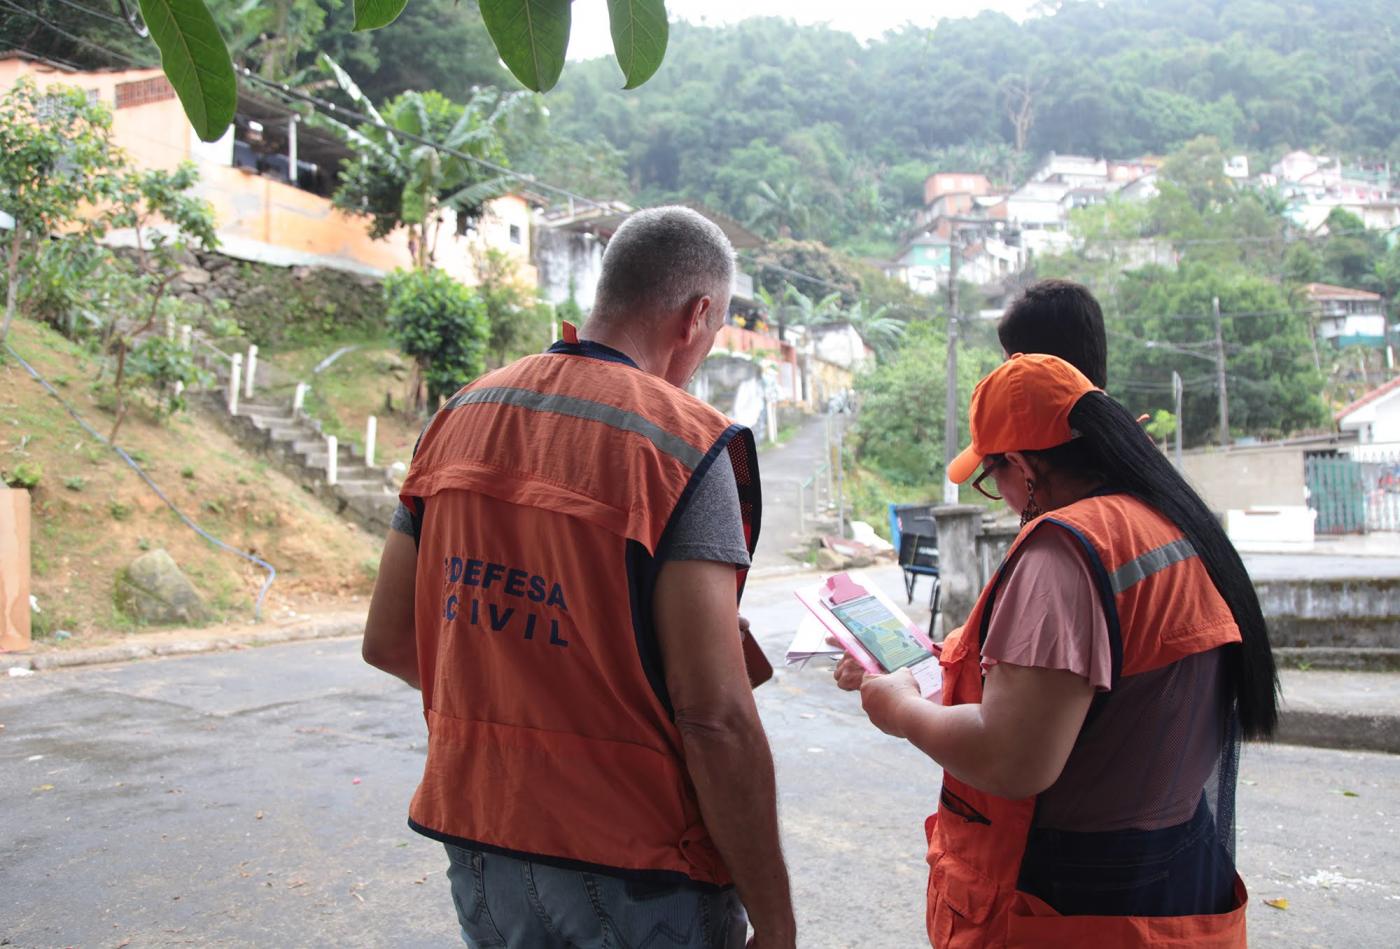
1335 493
1353 496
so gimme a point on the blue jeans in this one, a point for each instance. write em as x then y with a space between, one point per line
521 904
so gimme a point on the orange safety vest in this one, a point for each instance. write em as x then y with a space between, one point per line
546 491
1161 606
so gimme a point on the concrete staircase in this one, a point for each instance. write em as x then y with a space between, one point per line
297 444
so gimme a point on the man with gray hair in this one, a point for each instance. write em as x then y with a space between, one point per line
561 585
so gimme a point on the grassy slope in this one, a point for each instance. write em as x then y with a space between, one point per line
91 514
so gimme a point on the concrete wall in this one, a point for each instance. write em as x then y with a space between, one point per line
1332 613
1247 477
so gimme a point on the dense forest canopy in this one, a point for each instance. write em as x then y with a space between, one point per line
808 133
854 128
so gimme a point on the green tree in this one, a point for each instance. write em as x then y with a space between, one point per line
899 430
1163 323
442 326
56 154
1350 252
876 326
511 313
269 36
434 44
400 183
166 220
781 210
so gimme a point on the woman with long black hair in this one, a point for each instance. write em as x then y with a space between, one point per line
1094 701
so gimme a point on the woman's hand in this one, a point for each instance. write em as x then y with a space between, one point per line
884 697
849 674
880 695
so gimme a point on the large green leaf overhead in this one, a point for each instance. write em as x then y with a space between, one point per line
372 14
531 36
639 33
196 62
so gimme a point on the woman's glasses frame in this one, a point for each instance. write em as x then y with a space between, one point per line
989 465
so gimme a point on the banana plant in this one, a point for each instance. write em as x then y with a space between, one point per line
398 180
531 36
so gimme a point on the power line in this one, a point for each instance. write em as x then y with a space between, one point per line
50 58
120 57
101 15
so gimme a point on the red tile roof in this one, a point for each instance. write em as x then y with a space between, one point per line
1327 291
1369 397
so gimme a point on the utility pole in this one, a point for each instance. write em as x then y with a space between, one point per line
950 410
1177 387
1220 375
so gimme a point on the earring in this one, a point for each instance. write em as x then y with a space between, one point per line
1032 510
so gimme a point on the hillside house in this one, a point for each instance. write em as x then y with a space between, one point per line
1375 417
1347 317
269 179
954 182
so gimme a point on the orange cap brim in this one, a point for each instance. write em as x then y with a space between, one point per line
962 467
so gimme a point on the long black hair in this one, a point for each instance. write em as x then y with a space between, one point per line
1114 448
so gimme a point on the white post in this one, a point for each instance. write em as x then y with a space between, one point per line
235 376
186 336
772 410
371 429
179 388
170 326
298 399
332 446
292 149
252 370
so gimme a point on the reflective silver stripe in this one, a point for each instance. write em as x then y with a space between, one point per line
1140 568
573 407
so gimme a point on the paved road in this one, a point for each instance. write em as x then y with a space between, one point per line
213 800
784 467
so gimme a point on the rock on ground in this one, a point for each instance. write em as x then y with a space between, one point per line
153 590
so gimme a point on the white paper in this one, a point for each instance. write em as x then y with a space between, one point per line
810 641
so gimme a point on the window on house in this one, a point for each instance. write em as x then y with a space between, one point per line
515 233
142 91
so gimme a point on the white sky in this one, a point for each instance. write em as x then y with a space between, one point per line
866 19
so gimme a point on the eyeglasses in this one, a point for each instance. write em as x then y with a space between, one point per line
989 465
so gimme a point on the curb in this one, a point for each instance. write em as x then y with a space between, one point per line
1339 730
758 574
98 655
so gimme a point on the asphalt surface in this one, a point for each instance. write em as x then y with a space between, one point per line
257 798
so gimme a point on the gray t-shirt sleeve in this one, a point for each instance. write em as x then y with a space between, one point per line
712 526
402 521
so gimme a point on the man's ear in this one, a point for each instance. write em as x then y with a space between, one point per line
696 317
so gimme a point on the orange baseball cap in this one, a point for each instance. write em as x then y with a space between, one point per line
1021 405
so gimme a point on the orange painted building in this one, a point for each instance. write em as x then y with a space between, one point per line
261 215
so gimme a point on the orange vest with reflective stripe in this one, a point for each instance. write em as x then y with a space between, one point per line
1161 606
546 491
